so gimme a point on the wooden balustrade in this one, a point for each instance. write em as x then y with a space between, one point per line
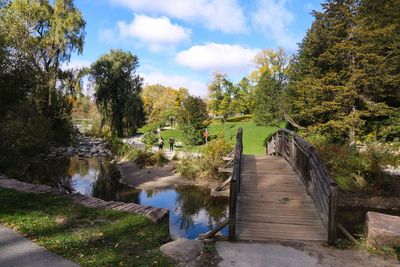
305 160
235 184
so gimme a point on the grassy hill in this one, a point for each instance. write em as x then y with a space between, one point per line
253 135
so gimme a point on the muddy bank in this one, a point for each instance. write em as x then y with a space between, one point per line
150 178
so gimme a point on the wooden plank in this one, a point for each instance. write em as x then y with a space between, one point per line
273 203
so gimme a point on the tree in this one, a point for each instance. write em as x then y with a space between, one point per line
344 74
193 119
161 102
117 91
225 98
244 100
43 34
271 78
268 101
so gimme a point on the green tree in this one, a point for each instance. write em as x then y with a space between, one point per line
43 34
271 82
268 101
117 91
225 98
244 99
344 73
193 119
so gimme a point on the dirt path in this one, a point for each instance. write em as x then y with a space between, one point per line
307 254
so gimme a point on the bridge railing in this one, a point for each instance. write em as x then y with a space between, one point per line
304 159
235 184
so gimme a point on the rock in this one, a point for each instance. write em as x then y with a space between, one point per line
182 249
383 229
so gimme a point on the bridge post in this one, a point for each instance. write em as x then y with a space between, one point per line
332 227
235 185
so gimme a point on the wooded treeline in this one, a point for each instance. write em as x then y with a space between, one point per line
38 92
36 96
343 82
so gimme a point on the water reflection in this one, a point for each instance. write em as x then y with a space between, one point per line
192 209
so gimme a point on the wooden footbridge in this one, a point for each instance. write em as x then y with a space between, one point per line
285 195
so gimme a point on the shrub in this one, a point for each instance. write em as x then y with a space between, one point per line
144 158
354 170
217 148
189 167
149 138
159 158
206 167
23 133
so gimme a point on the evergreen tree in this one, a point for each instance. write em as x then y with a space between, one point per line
271 79
268 101
341 75
193 119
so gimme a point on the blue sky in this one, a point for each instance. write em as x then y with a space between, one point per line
180 43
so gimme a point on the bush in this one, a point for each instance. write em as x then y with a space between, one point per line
189 167
144 158
159 158
360 171
217 148
24 133
206 167
121 149
149 138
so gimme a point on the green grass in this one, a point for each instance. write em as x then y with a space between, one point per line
86 236
253 135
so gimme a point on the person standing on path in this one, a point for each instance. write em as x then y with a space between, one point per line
171 143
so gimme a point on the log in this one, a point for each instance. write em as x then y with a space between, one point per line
224 184
211 233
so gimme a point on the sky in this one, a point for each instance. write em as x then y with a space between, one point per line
181 43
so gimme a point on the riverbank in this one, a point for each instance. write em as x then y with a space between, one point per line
155 177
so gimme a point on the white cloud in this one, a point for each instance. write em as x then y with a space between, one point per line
155 32
76 64
176 81
273 19
225 58
224 15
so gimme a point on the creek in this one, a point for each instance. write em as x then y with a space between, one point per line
192 209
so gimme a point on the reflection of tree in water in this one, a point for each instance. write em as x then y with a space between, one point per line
53 173
192 200
107 185
58 173
80 166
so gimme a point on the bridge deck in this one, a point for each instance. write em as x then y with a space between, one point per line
273 203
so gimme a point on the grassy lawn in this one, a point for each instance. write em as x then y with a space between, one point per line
86 236
253 136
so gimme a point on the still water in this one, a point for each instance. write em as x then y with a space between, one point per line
192 210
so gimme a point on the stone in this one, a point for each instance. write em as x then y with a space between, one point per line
182 250
383 229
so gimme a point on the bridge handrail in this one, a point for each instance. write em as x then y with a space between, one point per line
235 184
305 160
